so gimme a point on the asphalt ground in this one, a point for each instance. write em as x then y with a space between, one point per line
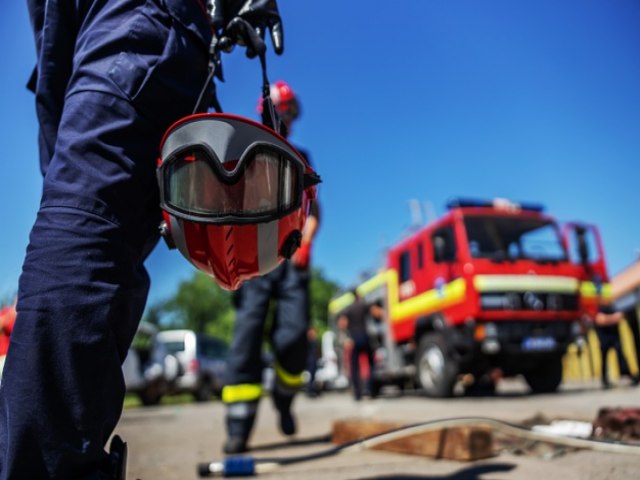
167 442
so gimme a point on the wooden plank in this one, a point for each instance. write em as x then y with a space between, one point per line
457 443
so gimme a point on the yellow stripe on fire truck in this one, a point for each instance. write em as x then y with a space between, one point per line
431 300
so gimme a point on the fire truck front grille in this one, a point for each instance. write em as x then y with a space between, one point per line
515 331
529 301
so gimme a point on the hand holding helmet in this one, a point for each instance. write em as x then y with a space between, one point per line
245 22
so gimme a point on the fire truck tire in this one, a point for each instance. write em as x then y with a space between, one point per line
436 371
546 377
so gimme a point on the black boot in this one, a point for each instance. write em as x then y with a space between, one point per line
283 403
238 428
234 445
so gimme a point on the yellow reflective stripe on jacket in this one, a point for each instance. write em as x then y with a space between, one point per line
289 379
245 392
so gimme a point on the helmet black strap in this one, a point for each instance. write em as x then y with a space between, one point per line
208 95
270 116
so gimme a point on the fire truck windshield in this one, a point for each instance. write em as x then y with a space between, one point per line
513 238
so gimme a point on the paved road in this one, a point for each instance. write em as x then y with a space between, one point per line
168 442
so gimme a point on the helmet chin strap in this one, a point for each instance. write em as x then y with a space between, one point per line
208 97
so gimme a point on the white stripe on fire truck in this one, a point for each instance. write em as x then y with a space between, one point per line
521 283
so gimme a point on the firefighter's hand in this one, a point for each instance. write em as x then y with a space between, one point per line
244 22
302 257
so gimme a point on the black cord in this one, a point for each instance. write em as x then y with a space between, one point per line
244 466
209 83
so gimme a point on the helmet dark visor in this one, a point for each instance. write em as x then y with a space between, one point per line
214 175
265 183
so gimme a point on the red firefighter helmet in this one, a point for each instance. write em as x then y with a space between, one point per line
234 195
284 100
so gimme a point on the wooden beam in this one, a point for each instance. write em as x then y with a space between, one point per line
457 443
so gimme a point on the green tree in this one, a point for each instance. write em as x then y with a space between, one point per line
154 313
200 305
321 291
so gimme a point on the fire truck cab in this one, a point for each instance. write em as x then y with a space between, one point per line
492 286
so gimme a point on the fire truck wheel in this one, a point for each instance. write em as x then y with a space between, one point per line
547 375
436 370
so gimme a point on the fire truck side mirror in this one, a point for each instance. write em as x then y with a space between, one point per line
583 248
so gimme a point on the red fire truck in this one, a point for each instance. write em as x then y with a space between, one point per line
491 288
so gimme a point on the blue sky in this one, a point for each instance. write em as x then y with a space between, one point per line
421 99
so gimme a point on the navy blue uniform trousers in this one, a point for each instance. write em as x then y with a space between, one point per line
289 288
112 75
609 337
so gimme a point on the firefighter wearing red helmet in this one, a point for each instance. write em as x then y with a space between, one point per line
288 286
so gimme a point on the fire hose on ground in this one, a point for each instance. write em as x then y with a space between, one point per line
242 466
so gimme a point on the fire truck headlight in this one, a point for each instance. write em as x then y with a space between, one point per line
500 301
493 302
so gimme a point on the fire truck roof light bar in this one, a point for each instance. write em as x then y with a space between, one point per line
501 203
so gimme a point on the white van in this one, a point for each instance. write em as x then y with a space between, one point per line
202 362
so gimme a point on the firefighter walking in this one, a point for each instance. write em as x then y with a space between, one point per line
288 286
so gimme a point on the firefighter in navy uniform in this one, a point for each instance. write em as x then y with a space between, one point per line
288 286
111 77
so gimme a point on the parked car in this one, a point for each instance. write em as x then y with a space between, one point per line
202 362
148 369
